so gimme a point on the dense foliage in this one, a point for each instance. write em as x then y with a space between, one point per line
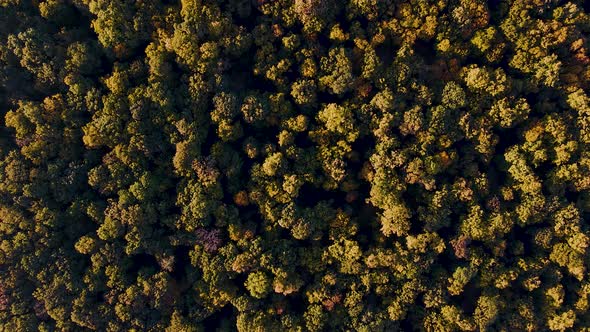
294 165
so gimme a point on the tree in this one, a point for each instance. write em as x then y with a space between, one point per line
337 71
304 92
111 25
258 284
486 311
395 220
314 14
563 321
339 120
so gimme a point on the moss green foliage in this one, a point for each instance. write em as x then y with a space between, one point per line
306 165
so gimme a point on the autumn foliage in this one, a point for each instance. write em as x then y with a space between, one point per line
306 165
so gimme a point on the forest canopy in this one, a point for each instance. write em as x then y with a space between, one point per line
294 165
